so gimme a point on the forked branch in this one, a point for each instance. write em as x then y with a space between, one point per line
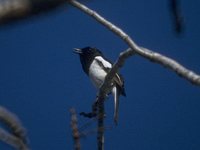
135 49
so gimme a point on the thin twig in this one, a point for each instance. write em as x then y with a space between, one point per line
100 133
86 133
87 124
177 18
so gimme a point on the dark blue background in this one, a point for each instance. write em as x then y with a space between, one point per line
40 77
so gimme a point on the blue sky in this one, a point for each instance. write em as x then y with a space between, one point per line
40 77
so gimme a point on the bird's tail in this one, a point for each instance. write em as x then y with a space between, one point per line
115 93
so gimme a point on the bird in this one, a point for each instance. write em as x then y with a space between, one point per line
96 66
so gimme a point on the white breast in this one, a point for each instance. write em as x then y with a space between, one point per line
96 73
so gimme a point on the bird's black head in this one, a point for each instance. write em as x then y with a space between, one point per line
87 55
88 52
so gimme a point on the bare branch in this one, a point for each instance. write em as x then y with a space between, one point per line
86 133
150 55
177 18
100 133
75 131
12 10
12 140
18 139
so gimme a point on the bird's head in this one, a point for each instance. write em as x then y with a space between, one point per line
87 56
88 52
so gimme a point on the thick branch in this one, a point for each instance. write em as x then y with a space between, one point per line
150 55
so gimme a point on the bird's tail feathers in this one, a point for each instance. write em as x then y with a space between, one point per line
115 93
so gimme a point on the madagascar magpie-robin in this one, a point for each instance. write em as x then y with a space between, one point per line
96 66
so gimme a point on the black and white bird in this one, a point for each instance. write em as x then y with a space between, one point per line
96 66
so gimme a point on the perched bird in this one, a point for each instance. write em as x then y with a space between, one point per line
96 66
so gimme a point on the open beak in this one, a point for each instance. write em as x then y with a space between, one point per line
77 51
